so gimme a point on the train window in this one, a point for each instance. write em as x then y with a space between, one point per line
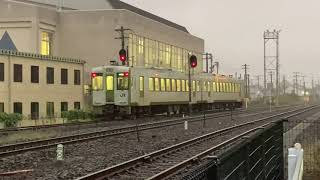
122 81
232 87
178 85
141 83
214 87
198 86
151 84
109 83
173 85
183 85
163 84
204 86
221 87
97 81
156 84
187 85
193 86
168 85
209 87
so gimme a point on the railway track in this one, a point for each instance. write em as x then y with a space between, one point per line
99 122
12 149
166 162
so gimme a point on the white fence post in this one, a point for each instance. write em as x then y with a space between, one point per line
295 162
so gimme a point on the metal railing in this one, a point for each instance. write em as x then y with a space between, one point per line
295 162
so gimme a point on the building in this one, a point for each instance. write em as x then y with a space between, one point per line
84 29
39 86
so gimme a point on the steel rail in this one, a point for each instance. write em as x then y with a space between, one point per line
11 149
105 173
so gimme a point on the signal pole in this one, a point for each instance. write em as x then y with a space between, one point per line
122 37
245 67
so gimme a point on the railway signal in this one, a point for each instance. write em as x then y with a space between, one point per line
193 61
123 55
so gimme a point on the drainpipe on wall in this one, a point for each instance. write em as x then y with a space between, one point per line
9 84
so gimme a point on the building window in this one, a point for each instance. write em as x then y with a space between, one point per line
34 110
77 77
34 74
17 74
64 76
46 43
1 71
64 106
77 105
50 75
50 109
17 107
1 107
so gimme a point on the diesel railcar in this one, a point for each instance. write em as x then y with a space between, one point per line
133 90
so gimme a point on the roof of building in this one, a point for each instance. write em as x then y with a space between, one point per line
116 4
40 57
7 43
103 4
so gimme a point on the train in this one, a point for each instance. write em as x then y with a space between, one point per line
123 90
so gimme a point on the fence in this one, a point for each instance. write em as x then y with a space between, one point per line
259 156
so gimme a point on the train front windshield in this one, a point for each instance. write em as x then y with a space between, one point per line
123 81
97 81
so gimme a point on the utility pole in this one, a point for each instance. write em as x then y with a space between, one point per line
245 67
271 58
122 37
296 75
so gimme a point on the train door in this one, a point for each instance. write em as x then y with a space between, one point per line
109 86
121 93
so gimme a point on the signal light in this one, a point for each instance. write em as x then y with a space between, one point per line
193 61
93 75
123 55
126 74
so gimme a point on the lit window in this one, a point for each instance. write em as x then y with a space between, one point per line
204 86
141 83
198 86
214 87
173 85
208 86
156 84
109 83
46 43
187 85
193 86
183 85
168 85
163 85
97 82
151 84
178 85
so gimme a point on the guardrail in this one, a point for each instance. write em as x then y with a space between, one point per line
295 162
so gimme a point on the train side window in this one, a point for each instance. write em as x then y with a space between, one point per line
156 84
178 85
151 84
168 84
173 85
163 84
109 83
141 83
232 87
183 85
214 87
204 86
194 86
198 86
187 85
221 87
97 81
209 87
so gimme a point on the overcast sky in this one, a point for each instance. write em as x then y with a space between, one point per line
233 29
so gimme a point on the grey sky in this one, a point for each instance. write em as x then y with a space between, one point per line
233 29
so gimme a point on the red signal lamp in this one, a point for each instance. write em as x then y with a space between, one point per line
93 75
193 61
123 55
